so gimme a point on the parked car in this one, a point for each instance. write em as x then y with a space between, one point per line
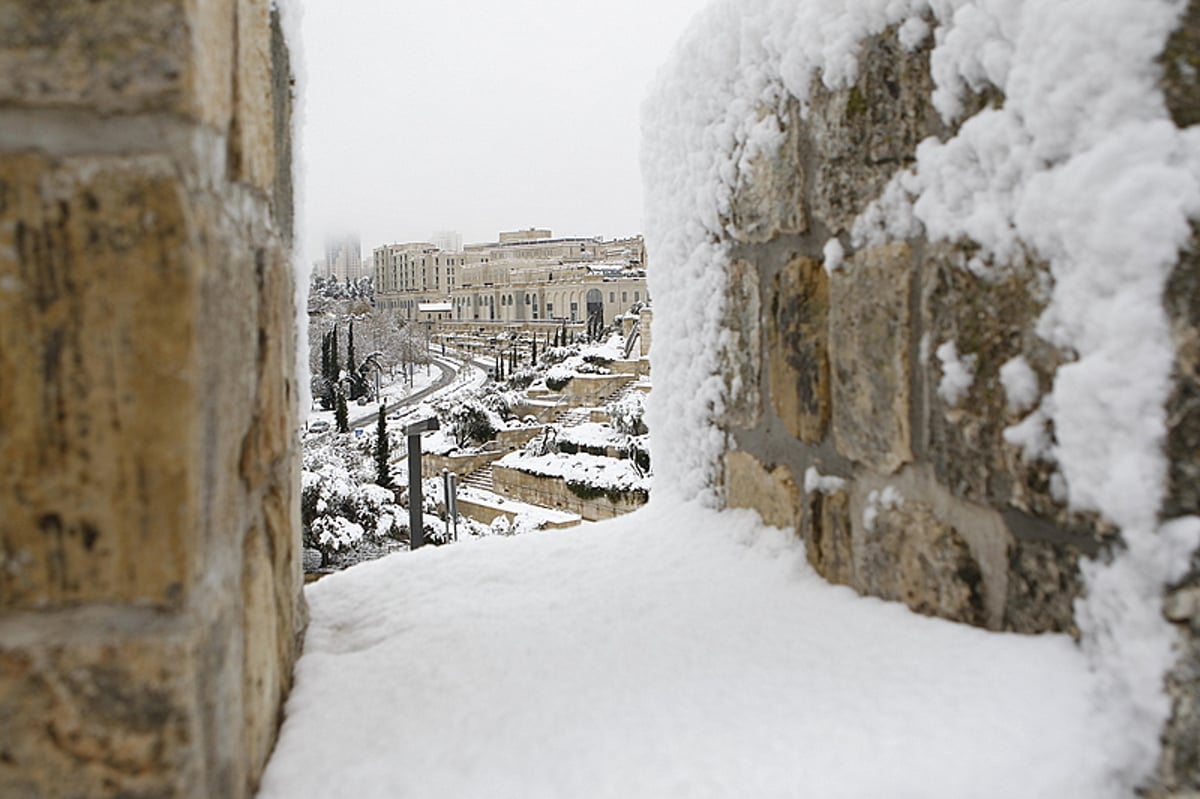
319 426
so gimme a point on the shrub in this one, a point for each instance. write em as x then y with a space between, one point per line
469 421
557 378
628 415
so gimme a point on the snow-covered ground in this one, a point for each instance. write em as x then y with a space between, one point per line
672 652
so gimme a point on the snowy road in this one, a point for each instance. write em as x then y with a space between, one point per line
674 652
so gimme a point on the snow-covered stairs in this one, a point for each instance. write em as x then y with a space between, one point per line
481 479
570 417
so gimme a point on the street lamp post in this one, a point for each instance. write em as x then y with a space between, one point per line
416 528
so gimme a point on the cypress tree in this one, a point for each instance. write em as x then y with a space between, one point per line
533 350
334 358
341 415
351 366
324 356
383 468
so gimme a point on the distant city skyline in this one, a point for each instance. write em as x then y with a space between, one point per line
476 117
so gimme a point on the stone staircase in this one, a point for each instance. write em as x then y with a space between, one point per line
569 417
480 479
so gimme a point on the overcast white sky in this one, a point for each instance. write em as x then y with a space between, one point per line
477 115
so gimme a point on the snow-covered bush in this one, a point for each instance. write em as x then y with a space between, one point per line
557 355
501 402
628 414
470 420
340 508
522 378
558 377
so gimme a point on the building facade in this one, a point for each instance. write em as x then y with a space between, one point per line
524 277
343 258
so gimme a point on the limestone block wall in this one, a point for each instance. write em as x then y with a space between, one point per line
149 568
552 492
842 420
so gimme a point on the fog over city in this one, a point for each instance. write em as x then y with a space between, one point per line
476 116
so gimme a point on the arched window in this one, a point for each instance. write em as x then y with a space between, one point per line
595 304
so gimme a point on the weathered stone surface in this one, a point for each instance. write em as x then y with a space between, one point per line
990 321
1181 69
1182 298
252 136
769 198
97 432
149 568
862 135
771 492
743 370
1179 764
113 718
869 348
798 347
119 56
911 556
1043 584
828 535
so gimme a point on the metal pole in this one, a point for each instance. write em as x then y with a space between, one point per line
416 529
452 486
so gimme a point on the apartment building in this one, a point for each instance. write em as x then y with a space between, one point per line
524 277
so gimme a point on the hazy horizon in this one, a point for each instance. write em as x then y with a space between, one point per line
476 117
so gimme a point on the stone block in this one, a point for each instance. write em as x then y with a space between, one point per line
989 320
869 346
101 718
1179 763
252 137
98 418
828 535
911 556
769 197
1182 300
120 56
743 348
771 492
1043 583
1181 69
861 135
798 347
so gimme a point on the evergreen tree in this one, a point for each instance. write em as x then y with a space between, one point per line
324 356
512 360
533 350
334 358
328 372
342 415
383 466
352 367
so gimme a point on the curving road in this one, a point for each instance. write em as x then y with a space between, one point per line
449 373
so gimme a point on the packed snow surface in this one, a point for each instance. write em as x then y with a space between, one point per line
676 651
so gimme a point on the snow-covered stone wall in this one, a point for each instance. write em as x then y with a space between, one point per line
149 572
926 292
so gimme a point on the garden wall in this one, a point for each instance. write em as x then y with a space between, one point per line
553 492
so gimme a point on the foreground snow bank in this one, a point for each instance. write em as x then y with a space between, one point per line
672 652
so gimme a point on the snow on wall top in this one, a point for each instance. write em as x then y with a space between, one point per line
1080 168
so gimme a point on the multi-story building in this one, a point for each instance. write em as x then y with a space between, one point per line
343 258
407 275
525 277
